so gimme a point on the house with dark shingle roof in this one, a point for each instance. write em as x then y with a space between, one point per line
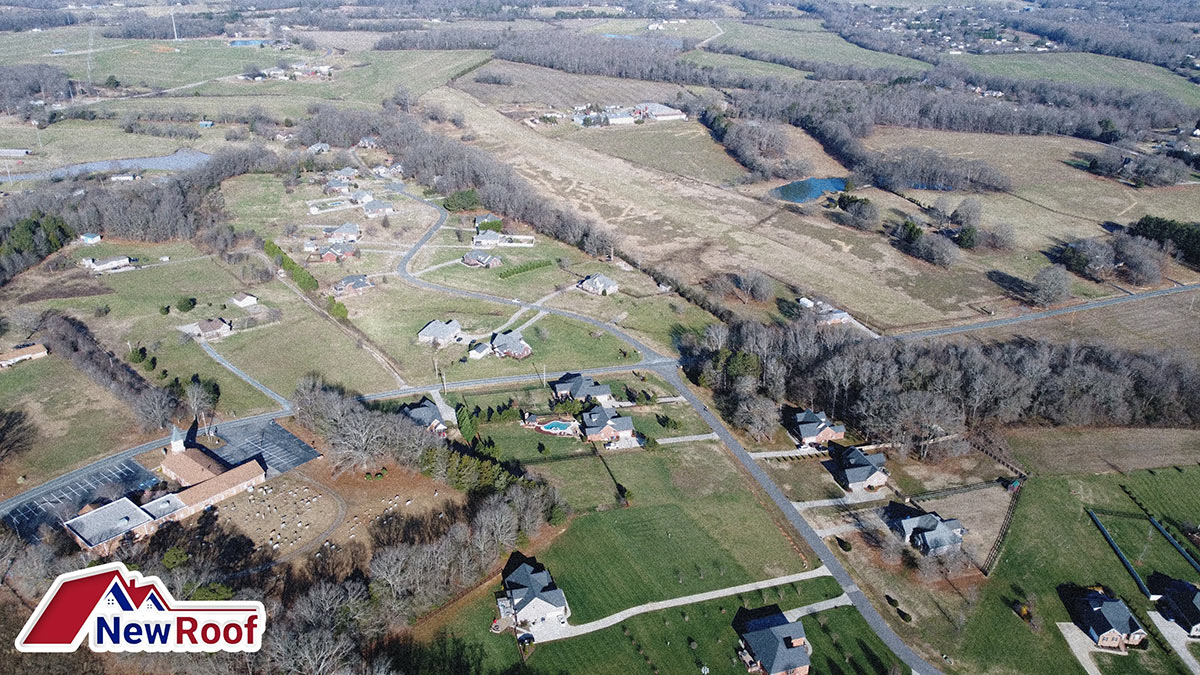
928 532
512 345
604 425
477 258
582 388
1107 620
813 428
352 284
771 645
856 470
1181 604
531 597
426 414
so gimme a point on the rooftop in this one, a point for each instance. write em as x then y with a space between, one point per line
111 520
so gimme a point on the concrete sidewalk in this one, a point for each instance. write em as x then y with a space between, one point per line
842 600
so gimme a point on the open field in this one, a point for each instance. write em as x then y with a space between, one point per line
914 477
808 45
1075 451
1145 547
367 78
1171 322
697 29
1087 69
798 25
683 148
554 88
292 105
742 65
279 354
693 230
129 306
75 141
75 419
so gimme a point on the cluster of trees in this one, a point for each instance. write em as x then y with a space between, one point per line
134 126
1112 31
137 25
27 241
1138 168
72 340
445 38
861 213
1185 237
20 84
1139 260
935 247
761 147
303 278
27 19
911 392
748 285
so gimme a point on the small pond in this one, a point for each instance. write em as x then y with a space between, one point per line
806 190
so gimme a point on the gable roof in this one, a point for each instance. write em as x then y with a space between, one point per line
1186 600
510 342
487 218
376 205
241 474
440 330
599 281
528 583
580 386
811 423
1098 614
479 256
353 281
857 466
192 466
344 228
212 325
772 645
425 413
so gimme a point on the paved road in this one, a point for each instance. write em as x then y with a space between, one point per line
1034 316
568 631
283 402
814 541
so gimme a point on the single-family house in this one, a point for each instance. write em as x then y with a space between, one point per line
113 264
1107 620
335 252
346 172
511 345
125 177
485 219
531 598
856 470
212 329
89 238
22 353
361 196
381 171
440 333
813 428
344 233
582 388
317 149
1181 604
339 186
486 239
603 425
243 300
376 208
772 645
310 245
928 532
426 414
368 142
479 351
599 284
352 284
477 258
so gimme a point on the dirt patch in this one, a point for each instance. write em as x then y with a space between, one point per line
1079 451
282 515
981 512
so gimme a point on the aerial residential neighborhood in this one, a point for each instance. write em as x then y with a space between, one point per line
600 339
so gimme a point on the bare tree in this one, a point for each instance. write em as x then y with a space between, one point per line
1051 286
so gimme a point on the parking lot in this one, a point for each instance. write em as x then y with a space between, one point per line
110 479
275 446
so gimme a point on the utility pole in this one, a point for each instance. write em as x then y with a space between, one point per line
91 41
444 390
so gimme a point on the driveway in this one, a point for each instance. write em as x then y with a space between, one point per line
1179 640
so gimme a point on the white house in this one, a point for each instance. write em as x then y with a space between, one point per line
440 333
599 285
244 300
112 264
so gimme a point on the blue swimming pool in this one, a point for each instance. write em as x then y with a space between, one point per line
557 425
806 190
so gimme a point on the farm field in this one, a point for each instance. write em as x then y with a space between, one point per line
537 85
1169 322
813 46
742 65
696 29
124 309
1149 552
694 230
76 420
1086 69
75 141
294 105
279 354
1076 451
683 148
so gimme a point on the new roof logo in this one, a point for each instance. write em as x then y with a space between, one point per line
120 611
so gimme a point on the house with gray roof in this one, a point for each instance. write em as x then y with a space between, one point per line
603 425
317 148
772 645
1107 620
338 185
477 258
599 284
582 388
440 333
532 598
929 533
486 239
1181 603
344 233
856 470
346 172
376 208
812 427
361 196
487 218
352 284
512 345
426 414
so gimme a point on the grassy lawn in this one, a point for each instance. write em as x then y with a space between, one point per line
1087 69
693 28
279 354
75 418
802 480
743 65
534 84
1146 548
683 148
75 141
528 286
813 46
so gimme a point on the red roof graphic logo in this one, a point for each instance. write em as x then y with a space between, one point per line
119 610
